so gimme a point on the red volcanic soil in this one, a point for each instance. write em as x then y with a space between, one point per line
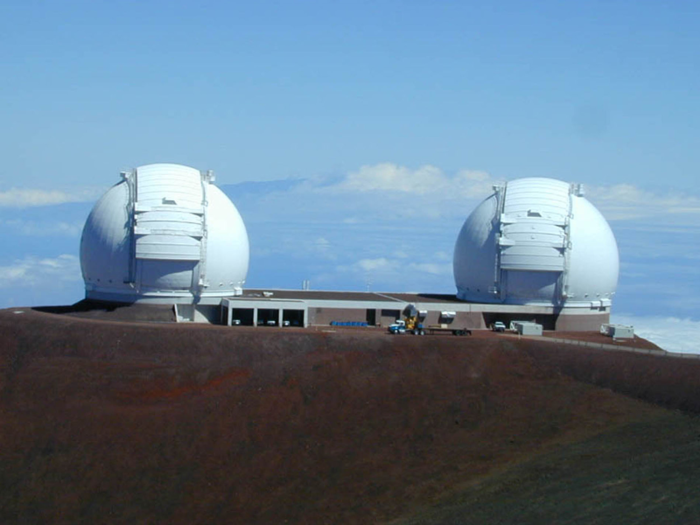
121 422
596 337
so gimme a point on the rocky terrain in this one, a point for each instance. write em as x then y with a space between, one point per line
123 422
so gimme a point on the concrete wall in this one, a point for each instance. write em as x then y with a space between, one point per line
209 314
384 317
581 323
472 316
387 316
324 316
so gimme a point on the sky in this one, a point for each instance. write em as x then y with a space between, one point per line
356 137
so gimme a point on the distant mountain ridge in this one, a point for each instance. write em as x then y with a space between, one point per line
257 188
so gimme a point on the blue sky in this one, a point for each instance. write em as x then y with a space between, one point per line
434 100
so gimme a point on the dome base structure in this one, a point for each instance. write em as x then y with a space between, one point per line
164 234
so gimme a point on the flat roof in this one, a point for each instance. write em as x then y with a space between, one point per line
351 296
387 300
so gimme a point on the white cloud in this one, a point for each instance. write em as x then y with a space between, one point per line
27 197
320 247
432 268
32 271
425 180
381 271
427 192
42 229
390 177
397 273
376 265
629 202
670 333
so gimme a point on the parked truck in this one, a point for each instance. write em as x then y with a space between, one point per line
445 329
411 325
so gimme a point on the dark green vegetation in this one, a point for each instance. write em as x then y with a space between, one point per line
108 422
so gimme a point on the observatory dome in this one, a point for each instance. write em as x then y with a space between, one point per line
164 233
536 241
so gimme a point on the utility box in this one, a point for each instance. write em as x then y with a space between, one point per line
618 331
526 328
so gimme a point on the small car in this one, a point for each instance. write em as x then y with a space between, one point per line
498 326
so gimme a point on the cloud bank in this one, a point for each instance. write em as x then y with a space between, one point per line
625 202
32 271
670 333
27 197
425 180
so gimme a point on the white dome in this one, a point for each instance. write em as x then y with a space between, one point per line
536 241
165 232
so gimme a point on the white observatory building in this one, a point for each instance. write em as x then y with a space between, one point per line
534 253
537 242
164 234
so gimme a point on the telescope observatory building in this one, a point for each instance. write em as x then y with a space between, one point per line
166 235
535 250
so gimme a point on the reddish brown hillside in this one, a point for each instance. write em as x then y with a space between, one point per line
105 422
665 380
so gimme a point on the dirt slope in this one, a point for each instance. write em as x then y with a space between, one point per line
642 473
105 422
